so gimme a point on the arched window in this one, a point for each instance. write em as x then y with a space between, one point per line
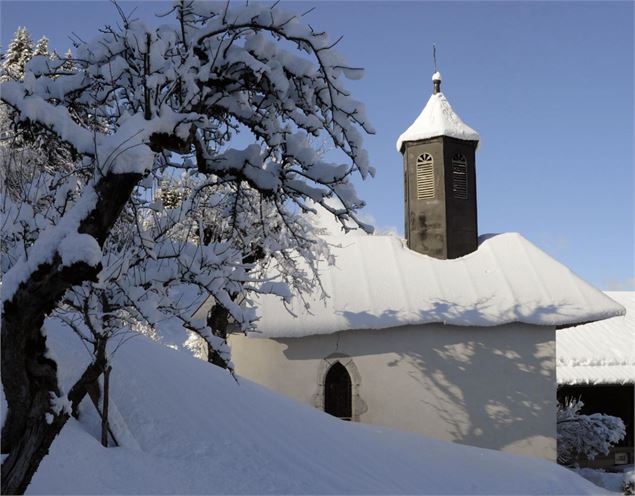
425 177
337 392
459 176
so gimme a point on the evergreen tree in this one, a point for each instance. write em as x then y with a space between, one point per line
42 47
18 54
37 147
69 65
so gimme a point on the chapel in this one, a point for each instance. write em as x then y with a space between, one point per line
446 333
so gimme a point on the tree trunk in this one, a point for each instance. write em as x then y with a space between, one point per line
104 407
218 321
41 435
218 317
20 465
29 376
89 377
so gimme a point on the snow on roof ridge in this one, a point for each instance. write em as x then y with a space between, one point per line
437 119
465 292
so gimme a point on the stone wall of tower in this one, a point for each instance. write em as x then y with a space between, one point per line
444 226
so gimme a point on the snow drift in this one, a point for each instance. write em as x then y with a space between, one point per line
187 427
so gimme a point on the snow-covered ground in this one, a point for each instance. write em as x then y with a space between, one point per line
187 427
613 481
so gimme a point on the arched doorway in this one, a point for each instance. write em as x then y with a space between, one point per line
338 392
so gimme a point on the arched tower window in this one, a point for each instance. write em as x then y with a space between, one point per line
338 392
425 177
459 176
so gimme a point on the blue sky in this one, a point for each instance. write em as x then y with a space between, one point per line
548 85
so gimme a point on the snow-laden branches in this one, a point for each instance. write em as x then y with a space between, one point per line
232 97
139 92
585 435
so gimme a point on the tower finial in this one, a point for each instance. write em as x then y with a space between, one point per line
436 77
434 56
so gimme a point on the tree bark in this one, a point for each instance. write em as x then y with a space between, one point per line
218 320
218 317
94 393
104 407
20 466
29 376
89 377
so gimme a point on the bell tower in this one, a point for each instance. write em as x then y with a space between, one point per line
440 180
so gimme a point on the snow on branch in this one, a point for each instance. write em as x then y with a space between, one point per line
231 107
224 112
585 435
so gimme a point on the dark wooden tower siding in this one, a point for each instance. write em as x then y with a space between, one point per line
338 397
440 192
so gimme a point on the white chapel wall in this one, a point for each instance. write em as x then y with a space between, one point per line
489 387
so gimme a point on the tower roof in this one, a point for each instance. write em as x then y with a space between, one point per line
437 119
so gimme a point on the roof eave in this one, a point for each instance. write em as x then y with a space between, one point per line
423 140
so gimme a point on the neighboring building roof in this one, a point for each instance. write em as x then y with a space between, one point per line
437 119
599 352
378 283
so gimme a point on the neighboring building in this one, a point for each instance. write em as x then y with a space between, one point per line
451 338
596 363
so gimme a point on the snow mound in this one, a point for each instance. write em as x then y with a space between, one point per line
437 119
191 429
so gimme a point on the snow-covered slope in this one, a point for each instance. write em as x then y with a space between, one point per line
189 428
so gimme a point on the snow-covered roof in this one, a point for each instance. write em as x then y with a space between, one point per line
437 119
599 352
378 283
